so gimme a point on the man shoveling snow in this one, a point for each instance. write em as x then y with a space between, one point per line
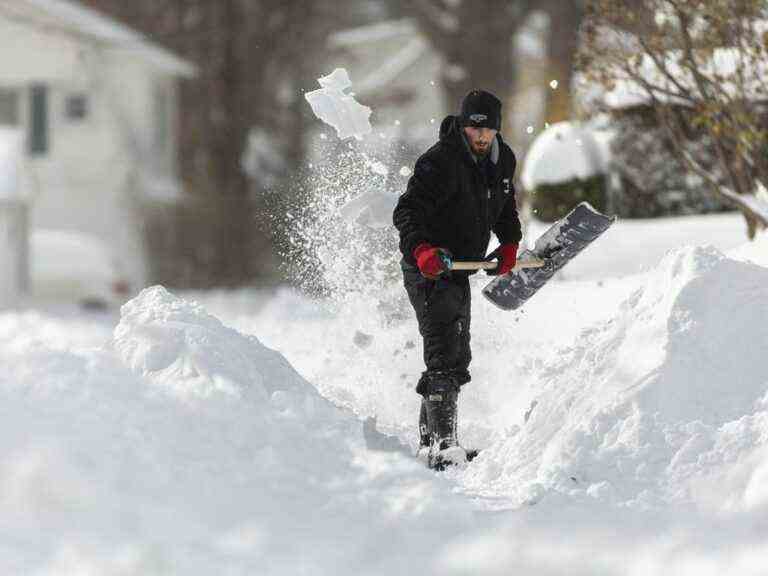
461 190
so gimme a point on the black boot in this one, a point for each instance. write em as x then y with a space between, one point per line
440 406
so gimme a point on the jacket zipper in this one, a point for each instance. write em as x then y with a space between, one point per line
488 201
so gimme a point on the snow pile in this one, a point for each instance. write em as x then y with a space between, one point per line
183 446
338 109
656 404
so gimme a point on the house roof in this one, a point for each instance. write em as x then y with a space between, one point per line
413 47
737 77
373 32
73 18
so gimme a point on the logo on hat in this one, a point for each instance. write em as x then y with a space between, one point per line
478 118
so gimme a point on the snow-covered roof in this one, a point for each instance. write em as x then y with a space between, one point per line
725 63
73 18
396 65
565 151
412 48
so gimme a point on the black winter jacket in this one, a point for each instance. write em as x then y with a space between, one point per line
451 202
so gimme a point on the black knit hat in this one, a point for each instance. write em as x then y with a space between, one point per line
481 109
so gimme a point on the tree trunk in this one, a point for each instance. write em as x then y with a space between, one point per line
486 64
565 19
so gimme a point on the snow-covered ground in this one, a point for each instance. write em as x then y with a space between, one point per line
623 417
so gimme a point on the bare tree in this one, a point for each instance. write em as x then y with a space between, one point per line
700 65
565 17
476 41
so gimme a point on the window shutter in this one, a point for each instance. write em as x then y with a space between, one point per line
38 126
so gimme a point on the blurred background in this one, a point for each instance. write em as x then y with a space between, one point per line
169 141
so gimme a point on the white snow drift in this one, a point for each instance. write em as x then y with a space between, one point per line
184 447
624 426
644 409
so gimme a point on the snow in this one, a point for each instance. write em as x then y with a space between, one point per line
757 203
622 413
261 159
565 151
71 266
331 105
10 157
73 17
736 75
372 209
181 446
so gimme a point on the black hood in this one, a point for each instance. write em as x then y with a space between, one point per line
450 134
450 130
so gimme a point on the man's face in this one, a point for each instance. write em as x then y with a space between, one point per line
480 139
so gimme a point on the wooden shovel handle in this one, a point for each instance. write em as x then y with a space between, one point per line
529 263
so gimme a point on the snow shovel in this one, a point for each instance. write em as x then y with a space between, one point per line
556 247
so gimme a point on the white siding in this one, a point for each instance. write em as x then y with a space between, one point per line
95 166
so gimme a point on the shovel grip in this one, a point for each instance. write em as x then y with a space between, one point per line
531 263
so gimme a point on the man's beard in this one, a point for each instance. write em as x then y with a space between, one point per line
481 152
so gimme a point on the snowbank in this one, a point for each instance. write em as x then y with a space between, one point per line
182 446
648 407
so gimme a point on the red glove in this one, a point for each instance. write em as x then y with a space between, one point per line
506 254
432 261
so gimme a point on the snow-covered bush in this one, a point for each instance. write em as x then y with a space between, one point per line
700 66
567 164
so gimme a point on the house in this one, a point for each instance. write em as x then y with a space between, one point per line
97 104
14 236
396 72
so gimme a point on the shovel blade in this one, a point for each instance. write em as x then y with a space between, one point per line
557 246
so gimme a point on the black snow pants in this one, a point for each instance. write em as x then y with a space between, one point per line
443 311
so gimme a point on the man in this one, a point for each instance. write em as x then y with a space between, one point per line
461 190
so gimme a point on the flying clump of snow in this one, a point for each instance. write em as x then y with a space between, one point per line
342 241
342 234
334 107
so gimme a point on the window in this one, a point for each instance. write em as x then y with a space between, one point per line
38 125
76 107
9 107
